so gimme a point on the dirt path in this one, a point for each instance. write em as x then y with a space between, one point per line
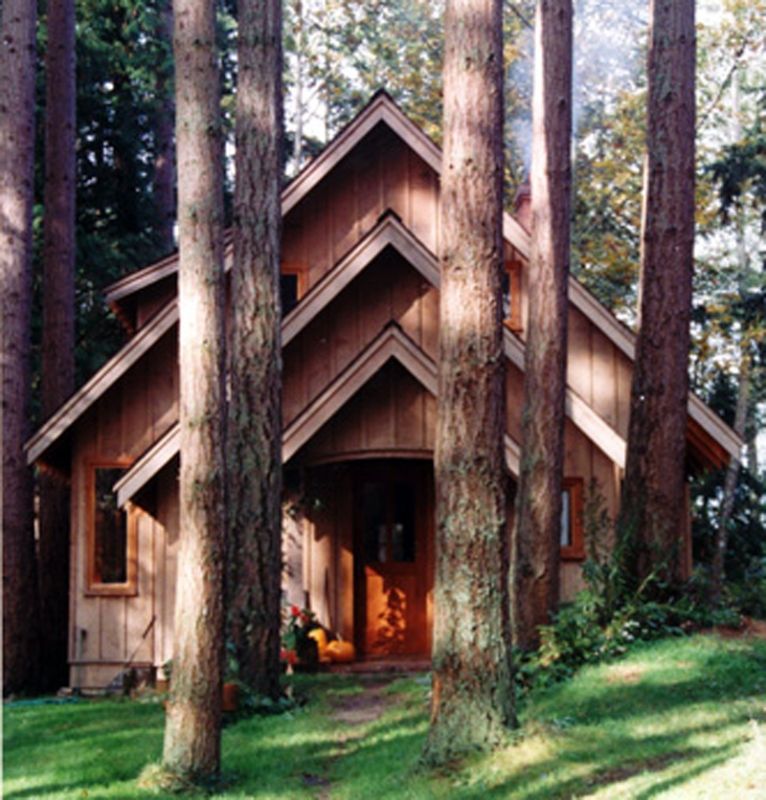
352 712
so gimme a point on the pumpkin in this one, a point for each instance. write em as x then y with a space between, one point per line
319 635
341 652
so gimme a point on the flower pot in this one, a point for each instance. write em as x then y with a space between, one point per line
230 701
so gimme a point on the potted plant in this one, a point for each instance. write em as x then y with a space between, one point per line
296 639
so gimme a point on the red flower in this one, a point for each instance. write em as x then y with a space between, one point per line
305 618
295 611
290 656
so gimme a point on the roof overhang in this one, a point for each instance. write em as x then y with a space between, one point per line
391 344
719 440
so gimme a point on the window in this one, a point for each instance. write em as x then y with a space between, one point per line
512 295
111 535
291 287
288 291
572 543
389 521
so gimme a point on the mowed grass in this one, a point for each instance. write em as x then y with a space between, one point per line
681 718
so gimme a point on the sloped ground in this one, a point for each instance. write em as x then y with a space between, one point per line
682 718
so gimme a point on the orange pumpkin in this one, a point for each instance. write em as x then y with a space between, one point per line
341 652
319 635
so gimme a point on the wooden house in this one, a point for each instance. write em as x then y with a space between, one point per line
360 285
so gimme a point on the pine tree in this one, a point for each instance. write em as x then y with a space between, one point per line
192 745
255 357
17 123
538 515
653 506
58 339
472 701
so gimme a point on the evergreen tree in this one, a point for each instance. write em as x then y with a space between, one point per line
537 531
255 357
192 747
58 327
472 699
653 505
17 123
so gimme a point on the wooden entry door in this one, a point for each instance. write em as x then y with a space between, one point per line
392 504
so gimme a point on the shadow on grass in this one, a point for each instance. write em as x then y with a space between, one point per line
589 733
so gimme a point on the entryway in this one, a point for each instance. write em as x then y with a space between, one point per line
393 557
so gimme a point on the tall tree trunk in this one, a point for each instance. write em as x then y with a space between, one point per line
58 340
300 45
17 138
472 701
730 482
652 507
193 727
537 532
164 162
255 359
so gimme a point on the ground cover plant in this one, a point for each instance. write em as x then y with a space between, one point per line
677 718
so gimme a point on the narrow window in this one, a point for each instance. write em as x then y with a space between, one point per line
111 535
572 542
288 290
512 295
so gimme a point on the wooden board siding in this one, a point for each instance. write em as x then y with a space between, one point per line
119 427
388 290
381 173
392 413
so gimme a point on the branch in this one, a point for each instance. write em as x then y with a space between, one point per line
512 7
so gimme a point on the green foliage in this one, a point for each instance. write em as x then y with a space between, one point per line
613 614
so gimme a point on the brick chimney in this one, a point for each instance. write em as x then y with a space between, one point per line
522 205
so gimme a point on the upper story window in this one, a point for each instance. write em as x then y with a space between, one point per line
112 536
291 287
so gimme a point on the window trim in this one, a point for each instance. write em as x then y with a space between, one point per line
576 550
94 586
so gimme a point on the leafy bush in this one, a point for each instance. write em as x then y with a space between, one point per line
612 613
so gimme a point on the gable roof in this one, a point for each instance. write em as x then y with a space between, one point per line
391 343
381 109
97 386
389 231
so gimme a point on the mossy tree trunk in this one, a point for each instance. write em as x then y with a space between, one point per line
17 137
58 342
472 701
192 729
255 358
536 539
652 506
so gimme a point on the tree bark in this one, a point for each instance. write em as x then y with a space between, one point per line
255 358
17 137
652 508
730 482
193 726
300 46
537 532
164 162
58 340
472 700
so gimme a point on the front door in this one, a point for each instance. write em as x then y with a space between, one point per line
391 557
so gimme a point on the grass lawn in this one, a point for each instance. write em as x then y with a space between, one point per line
682 718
